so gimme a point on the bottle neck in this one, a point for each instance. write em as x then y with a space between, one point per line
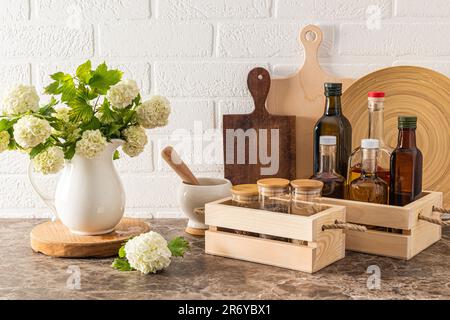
406 138
333 105
369 162
376 124
327 159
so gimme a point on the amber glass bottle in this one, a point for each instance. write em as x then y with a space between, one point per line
334 123
406 164
376 131
333 182
369 187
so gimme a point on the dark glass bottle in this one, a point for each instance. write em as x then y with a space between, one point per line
406 164
334 123
333 182
368 187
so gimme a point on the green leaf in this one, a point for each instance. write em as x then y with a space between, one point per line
58 76
178 246
81 110
69 151
48 109
84 72
68 91
107 115
53 88
94 124
5 124
39 148
121 264
102 78
122 252
116 156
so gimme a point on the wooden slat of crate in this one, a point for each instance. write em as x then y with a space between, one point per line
379 243
270 223
423 235
329 249
388 216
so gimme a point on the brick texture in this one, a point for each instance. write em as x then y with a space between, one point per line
198 53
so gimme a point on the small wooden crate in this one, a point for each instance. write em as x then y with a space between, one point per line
322 248
416 235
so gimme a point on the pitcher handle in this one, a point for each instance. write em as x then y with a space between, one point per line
49 201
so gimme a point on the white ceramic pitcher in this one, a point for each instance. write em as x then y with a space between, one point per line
89 197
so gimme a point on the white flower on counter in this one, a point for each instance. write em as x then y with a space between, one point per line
135 140
4 140
20 99
154 112
91 144
122 94
49 161
30 131
148 252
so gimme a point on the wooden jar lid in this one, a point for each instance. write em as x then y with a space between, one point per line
307 184
245 190
273 183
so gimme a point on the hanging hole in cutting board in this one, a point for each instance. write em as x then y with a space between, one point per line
310 36
260 76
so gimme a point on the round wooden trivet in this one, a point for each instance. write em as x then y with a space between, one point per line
54 239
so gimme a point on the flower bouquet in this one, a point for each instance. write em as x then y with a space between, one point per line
89 115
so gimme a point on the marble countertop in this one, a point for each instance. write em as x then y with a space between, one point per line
28 275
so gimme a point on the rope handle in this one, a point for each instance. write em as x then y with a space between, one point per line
439 221
344 225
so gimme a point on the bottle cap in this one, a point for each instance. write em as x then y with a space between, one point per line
327 140
370 143
375 94
333 89
407 122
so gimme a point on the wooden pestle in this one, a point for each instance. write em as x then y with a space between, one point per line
174 161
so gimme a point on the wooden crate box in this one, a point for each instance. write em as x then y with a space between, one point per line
416 234
320 247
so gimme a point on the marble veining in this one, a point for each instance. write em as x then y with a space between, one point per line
28 275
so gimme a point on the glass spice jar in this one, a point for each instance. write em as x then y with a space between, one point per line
274 196
308 190
305 196
247 196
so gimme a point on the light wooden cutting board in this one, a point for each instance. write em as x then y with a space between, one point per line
302 95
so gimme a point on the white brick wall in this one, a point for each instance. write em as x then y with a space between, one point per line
198 53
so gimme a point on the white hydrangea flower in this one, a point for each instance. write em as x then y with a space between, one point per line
148 252
4 140
62 113
154 112
135 140
20 99
49 161
122 94
30 131
91 144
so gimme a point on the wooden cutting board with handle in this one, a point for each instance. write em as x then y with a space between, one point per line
302 95
268 147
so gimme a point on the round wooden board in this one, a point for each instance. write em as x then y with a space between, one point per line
409 90
54 239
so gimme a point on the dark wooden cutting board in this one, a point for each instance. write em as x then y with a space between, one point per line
258 125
